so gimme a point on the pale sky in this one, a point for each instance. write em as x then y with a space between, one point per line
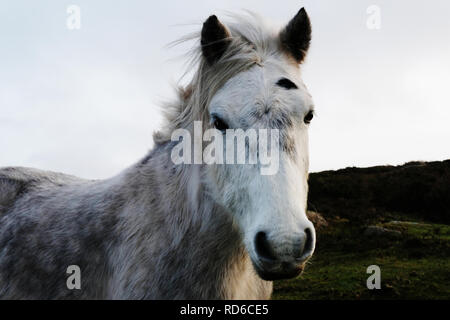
86 101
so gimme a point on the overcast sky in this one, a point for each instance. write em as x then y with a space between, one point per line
86 101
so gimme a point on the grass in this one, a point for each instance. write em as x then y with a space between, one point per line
413 266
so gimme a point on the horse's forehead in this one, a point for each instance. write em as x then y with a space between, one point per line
258 84
259 78
253 95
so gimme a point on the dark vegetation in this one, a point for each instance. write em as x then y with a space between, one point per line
417 189
413 199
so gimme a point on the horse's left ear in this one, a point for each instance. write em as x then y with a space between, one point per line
296 36
215 39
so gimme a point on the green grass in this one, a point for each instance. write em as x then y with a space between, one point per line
414 266
421 230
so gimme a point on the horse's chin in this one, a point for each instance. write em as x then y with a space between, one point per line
287 272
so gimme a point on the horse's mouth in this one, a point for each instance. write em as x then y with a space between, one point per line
285 271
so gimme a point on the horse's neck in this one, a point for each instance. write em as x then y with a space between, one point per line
201 238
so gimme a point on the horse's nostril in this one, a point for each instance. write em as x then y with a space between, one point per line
262 247
309 242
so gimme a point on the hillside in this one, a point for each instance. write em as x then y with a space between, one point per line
416 189
410 202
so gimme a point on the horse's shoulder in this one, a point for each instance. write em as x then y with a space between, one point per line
16 181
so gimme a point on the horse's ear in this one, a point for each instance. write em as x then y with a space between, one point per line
215 39
296 36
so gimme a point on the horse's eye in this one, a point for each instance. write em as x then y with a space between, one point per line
309 116
219 124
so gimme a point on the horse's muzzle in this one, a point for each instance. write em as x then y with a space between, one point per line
282 259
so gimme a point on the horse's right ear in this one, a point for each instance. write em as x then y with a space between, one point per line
296 36
215 39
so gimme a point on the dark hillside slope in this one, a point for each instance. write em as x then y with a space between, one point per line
419 189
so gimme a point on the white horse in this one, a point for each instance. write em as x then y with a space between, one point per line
166 230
